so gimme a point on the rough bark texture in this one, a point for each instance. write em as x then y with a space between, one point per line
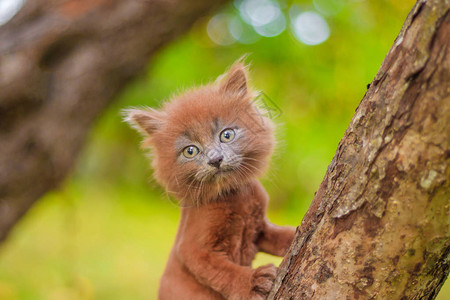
379 225
61 63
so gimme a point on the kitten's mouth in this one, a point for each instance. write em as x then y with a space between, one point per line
220 173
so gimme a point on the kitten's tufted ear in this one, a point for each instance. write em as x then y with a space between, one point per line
235 81
146 120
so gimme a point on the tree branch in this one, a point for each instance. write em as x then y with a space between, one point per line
379 224
61 63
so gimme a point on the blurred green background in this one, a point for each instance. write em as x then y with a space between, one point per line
107 231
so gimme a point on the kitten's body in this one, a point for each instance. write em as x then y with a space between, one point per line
217 242
223 222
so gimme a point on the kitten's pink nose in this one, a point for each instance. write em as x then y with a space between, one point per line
216 161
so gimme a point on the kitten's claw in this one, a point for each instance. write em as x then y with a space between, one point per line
262 281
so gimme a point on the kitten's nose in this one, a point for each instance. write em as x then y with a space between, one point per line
216 161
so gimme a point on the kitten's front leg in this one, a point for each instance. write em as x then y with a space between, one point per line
235 282
275 239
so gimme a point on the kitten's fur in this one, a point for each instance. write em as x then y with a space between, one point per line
223 223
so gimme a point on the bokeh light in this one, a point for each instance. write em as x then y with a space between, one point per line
274 28
252 19
310 28
242 32
259 12
294 11
8 9
218 29
265 16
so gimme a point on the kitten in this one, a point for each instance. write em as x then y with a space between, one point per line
210 144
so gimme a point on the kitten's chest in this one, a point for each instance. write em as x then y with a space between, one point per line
248 224
253 215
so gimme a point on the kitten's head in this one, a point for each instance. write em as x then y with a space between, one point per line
208 141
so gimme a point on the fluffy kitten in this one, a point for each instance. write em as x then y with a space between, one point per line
210 144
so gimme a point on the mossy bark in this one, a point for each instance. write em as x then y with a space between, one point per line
61 63
379 225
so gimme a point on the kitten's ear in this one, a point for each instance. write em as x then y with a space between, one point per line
235 81
146 120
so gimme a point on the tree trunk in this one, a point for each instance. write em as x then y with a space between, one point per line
379 225
61 63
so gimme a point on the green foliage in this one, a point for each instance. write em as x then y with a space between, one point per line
106 234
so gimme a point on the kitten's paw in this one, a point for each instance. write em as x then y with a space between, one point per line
262 281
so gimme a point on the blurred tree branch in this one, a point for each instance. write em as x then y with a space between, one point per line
379 224
61 63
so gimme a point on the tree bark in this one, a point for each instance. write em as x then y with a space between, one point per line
61 63
379 224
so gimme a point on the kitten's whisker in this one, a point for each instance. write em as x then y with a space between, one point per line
247 168
200 192
244 163
241 173
176 180
247 159
191 186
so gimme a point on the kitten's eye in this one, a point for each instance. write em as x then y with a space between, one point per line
190 151
227 135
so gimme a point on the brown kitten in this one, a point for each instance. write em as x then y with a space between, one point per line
210 144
